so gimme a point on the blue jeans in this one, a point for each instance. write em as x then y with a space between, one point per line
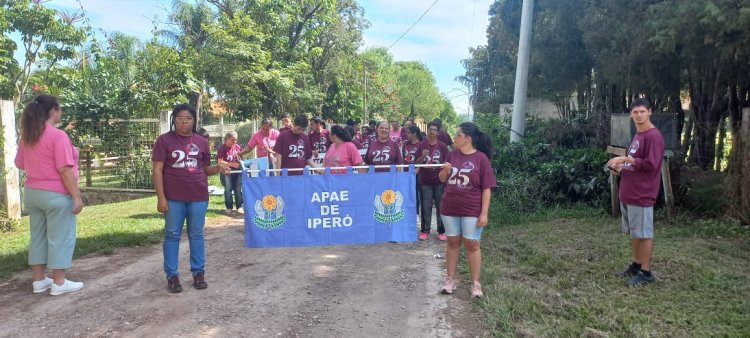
195 214
233 184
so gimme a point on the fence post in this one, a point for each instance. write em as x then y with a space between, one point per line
164 120
12 180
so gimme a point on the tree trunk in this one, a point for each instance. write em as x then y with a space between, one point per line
196 99
720 144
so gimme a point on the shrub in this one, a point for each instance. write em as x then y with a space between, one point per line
555 163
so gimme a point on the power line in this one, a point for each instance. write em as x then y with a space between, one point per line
412 26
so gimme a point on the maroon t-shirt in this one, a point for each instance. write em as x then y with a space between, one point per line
320 140
639 184
445 138
404 135
379 153
184 158
228 154
470 175
410 152
438 152
294 149
357 144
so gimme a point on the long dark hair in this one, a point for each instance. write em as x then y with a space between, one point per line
414 129
180 107
35 116
350 130
341 133
479 140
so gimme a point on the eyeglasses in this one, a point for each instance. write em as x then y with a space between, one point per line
183 119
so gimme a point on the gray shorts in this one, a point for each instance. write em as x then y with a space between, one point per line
637 221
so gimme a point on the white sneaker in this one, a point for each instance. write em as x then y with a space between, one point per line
68 286
42 285
476 290
240 211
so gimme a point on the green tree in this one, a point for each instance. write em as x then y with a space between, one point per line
417 92
44 33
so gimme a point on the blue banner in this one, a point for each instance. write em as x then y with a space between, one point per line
314 210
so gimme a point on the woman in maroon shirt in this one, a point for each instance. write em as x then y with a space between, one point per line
383 150
469 179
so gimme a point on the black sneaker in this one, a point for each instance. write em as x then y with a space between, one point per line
631 271
199 281
173 284
640 279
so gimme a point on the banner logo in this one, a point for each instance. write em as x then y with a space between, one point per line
388 207
269 212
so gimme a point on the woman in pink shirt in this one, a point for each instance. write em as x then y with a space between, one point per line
51 194
342 153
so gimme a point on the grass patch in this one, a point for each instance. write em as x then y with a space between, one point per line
101 229
553 275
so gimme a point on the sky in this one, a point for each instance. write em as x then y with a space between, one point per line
440 40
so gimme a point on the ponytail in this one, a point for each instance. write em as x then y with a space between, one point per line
484 144
479 140
35 116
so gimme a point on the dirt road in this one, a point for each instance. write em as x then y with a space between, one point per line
344 291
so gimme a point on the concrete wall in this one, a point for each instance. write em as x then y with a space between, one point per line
536 107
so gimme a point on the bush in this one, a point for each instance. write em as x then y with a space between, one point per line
552 165
703 192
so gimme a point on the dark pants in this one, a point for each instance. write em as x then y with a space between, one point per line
430 194
233 184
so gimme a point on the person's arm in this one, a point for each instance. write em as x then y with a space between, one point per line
71 184
157 177
483 218
246 149
445 172
424 154
215 169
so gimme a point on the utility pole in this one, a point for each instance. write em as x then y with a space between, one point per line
522 72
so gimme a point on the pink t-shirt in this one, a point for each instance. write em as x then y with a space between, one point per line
471 174
396 136
379 153
320 140
41 161
263 142
294 150
639 184
342 156
184 158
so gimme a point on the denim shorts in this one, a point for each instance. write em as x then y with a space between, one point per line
462 226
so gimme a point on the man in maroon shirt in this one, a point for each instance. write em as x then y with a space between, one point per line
443 136
318 136
640 171
293 148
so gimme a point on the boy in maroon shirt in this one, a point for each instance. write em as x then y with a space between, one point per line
639 186
319 137
293 147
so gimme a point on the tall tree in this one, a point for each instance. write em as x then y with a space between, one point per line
44 33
